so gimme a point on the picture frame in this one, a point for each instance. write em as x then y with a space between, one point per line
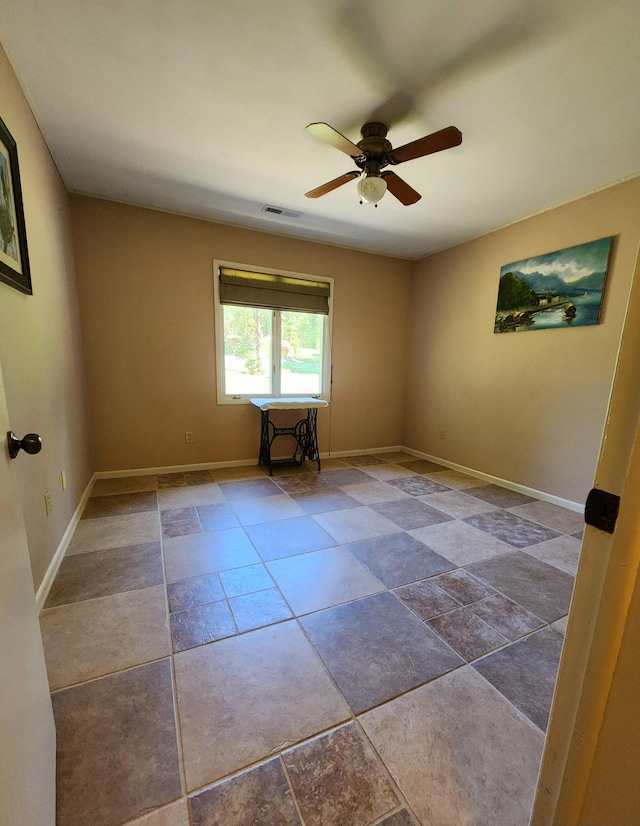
559 289
14 256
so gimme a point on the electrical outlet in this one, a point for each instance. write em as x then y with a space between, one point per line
441 434
188 437
63 479
47 503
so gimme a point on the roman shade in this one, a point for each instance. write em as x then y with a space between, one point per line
273 292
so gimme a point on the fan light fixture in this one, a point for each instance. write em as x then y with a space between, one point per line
371 188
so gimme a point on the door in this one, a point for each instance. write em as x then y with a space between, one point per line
591 760
27 735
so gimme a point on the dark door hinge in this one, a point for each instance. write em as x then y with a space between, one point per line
601 510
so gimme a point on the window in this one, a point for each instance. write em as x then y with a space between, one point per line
272 334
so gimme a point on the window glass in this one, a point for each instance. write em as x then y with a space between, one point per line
301 347
247 350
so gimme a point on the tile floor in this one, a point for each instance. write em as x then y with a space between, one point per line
373 644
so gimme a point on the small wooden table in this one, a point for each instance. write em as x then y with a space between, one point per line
304 431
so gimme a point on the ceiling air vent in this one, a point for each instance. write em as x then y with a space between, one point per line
281 211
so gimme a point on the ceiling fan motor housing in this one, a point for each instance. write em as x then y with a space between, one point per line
375 148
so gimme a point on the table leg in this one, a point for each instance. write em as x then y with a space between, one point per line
312 451
264 456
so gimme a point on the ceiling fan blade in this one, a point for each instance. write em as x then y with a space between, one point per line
436 142
331 136
401 189
330 185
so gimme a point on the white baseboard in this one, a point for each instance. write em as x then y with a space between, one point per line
339 454
154 471
578 507
47 581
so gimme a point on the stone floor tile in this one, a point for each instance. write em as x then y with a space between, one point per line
536 586
198 477
395 456
387 472
398 559
171 480
117 754
461 543
175 814
238 473
98 574
375 649
321 500
418 485
561 624
184 528
453 478
258 609
267 509
245 580
201 625
525 672
499 496
401 818
238 800
123 484
410 513
177 515
288 537
426 599
457 503
508 618
323 578
207 553
483 756
552 516
363 460
249 489
340 477
180 522
354 524
106 532
338 780
198 590
216 516
562 553
291 484
190 496
504 525
421 465
244 697
373 491
331 463
467 633
463 586
88 639
118 504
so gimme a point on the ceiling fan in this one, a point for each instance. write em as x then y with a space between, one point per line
373 153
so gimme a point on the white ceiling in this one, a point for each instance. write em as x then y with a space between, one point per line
200 106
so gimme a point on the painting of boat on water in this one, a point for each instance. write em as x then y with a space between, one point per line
558 289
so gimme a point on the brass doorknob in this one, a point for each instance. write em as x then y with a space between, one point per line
31 443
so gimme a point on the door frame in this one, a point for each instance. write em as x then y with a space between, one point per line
602 599
27 732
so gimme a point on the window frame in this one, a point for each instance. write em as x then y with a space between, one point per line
325 376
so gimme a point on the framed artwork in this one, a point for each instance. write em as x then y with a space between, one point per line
14 258
559 289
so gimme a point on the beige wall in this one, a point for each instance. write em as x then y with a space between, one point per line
145 283
40 342
526 407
